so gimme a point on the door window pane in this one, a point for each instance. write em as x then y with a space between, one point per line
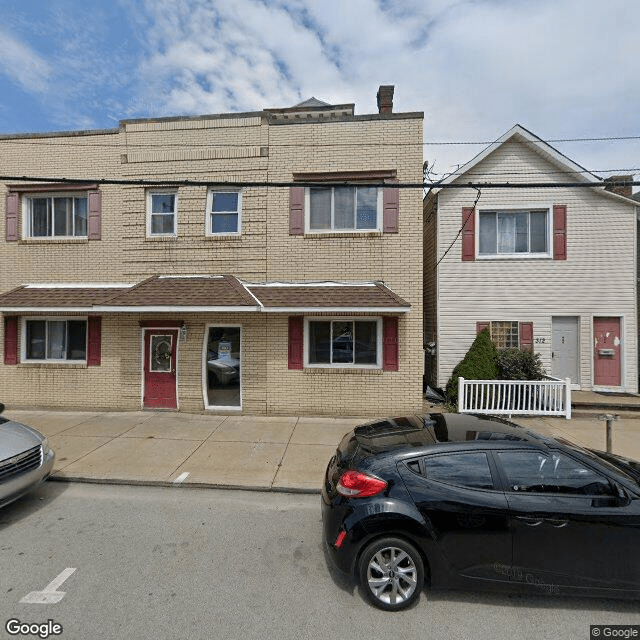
461 469
223 367
160 357
537 472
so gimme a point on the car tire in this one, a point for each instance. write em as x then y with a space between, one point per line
391 573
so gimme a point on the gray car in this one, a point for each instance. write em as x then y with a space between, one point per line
26 459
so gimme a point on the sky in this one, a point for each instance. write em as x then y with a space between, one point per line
564 69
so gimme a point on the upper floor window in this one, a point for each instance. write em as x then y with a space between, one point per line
518 233
344 208
55 340
223 212
63 216
162 211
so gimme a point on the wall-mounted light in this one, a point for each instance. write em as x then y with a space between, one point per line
183 331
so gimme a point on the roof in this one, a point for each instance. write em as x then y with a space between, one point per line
327 296
311 102
542 147
203 293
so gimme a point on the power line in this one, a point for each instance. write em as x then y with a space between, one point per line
142 182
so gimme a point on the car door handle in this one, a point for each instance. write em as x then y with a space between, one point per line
558 524
530 522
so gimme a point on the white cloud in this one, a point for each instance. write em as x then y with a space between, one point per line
23 65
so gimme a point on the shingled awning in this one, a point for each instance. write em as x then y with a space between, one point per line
204 294
331 297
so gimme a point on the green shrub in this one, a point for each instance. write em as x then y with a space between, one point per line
480 363
514 364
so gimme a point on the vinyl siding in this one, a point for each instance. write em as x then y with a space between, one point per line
597 279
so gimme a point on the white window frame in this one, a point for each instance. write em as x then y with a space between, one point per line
343 365
27 214
209 213
47 319
548 209
307 211
150 213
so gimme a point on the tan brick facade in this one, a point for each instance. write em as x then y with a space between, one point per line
257 147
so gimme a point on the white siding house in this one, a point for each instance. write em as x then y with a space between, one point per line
552 269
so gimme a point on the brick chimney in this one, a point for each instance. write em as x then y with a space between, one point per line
385 98
620 185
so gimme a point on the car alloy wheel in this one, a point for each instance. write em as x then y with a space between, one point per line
391 573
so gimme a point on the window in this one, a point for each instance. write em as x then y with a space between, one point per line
223 212
540 472
343 343
461 469
55 340
514 233
162 214
505 334
61 216
344 208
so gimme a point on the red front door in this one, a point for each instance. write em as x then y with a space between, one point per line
606 358
160 346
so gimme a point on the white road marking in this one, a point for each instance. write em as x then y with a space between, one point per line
181 478
50 594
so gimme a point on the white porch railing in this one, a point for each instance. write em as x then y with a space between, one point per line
548 397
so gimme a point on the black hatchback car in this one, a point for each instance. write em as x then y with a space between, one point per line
460 501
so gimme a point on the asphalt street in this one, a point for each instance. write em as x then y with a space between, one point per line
181 563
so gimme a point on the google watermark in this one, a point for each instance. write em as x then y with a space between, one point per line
614 631
42 630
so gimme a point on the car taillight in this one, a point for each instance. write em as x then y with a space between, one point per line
354 484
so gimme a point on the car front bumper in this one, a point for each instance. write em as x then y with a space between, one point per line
18 486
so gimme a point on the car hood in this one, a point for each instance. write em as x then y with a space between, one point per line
15 438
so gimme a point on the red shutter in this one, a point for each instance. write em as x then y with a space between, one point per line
390 343
11 339
480 326
559 232
94 348
296 211
468 234
390 206
296 330
526 336
11 218
95 215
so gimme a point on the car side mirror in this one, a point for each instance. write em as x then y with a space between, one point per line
622 495
1 407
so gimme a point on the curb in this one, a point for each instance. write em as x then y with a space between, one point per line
189 485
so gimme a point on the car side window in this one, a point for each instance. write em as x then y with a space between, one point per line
461 469
539 472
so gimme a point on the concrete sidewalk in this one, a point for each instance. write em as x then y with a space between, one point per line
247 452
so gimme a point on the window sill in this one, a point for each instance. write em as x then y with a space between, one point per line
222 236
342 371
343 234
52 365
161 238
516 256
48 240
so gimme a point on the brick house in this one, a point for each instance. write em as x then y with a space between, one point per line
551 270
263 263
